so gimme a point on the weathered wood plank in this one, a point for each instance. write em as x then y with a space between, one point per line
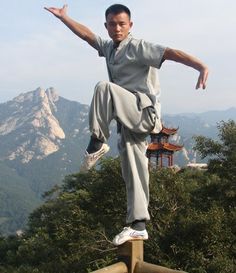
143 267
115 268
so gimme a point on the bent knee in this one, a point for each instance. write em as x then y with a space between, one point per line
102 85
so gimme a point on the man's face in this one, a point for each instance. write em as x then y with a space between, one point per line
118 26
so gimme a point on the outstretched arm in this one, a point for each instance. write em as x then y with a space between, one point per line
80 30
186 59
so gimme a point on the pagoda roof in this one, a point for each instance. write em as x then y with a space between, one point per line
164 146
167 131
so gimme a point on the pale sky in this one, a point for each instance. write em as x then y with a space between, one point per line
38 50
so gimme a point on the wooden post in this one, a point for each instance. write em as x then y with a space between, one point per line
142 267
130 255
115 268
131 252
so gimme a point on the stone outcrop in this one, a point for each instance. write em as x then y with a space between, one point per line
29 122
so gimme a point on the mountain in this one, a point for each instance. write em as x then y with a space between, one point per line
31 128
213 117
43 137
17 200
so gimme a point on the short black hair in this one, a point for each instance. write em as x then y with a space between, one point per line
116 9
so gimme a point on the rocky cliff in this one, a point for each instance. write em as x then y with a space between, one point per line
28 122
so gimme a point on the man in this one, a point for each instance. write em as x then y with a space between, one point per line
130 98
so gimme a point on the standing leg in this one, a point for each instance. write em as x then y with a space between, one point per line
132 147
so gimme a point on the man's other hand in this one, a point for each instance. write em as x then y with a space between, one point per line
201 83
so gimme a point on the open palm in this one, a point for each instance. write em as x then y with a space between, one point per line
59 13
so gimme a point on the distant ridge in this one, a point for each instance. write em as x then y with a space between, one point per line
212 116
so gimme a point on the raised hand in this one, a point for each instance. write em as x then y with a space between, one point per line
59 13
201 83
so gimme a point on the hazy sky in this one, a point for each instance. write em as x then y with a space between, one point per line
36 49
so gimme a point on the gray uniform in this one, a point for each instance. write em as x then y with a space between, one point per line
130 97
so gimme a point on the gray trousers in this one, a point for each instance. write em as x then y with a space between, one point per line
134 113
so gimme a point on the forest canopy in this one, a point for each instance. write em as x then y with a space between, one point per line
192 227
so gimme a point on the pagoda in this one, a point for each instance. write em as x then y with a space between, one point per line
161 149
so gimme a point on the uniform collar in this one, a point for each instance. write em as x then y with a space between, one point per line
123 43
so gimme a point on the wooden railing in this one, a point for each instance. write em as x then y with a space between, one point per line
130 255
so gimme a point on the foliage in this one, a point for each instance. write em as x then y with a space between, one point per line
16 200
223 152
192 227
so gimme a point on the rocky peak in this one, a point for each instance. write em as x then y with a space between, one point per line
52 97
30 119
52 94
30 97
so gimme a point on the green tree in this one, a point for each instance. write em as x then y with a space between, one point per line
192 227
72 231
222 153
